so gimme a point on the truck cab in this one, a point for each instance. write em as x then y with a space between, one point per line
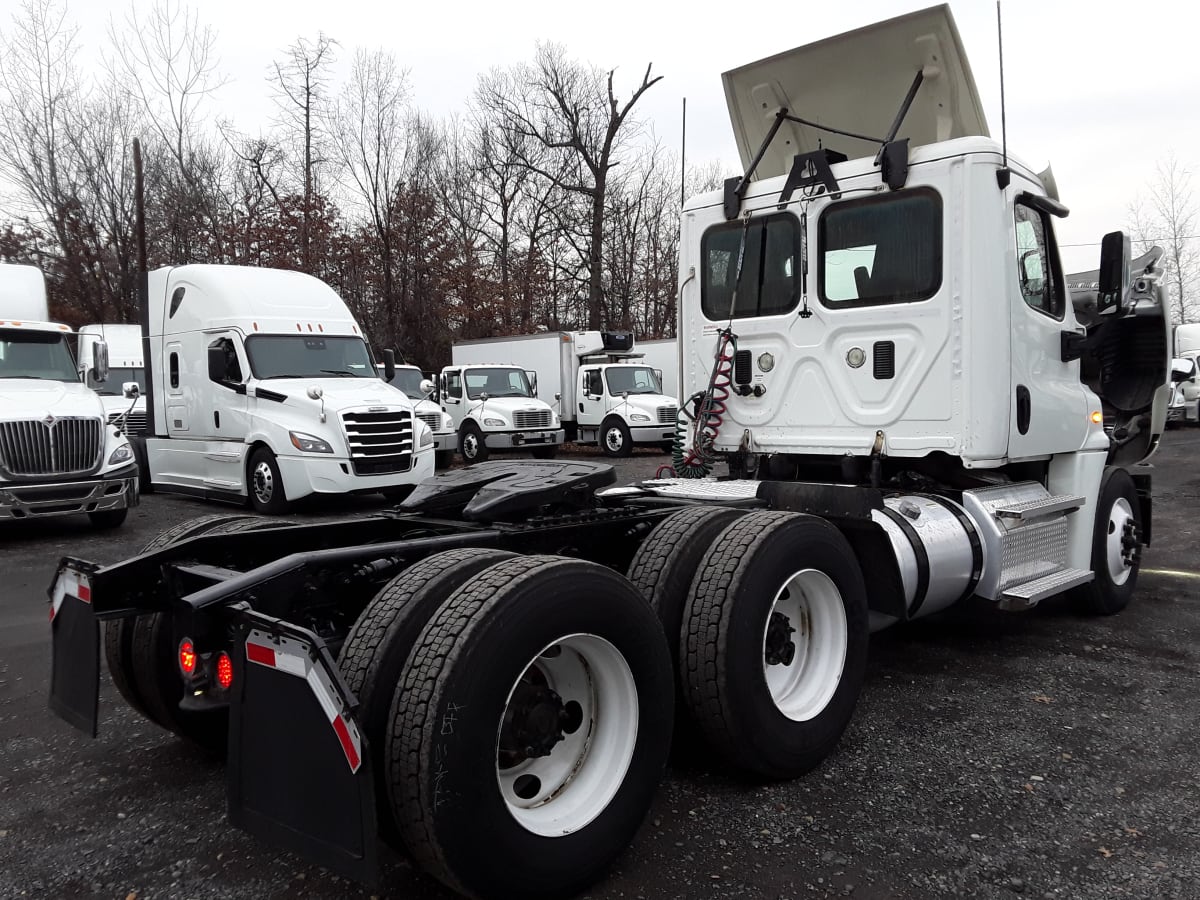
58 453
122 392
262 388
495 407
621 404
419 390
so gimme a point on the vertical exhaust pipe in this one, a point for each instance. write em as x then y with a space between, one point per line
143 286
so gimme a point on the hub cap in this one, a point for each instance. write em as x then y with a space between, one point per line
804 644
470 446
567 735
1122 544
614 440
264 482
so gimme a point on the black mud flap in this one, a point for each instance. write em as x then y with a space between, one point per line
299 770
74 646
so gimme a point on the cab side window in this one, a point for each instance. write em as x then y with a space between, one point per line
233 368
454 384
1037 273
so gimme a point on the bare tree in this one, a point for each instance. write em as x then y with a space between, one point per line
1168 215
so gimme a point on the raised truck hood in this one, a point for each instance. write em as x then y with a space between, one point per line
856 82
28 398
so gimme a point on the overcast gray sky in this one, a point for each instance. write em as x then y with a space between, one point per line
1101 91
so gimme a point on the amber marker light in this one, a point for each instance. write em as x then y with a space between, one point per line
1097 418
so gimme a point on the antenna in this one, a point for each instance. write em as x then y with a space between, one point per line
1003 175
683 158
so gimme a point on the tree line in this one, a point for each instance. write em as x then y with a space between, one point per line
544 205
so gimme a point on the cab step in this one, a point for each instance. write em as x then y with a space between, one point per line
1030 593
1039 507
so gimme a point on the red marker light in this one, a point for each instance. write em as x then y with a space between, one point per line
187 657
224 671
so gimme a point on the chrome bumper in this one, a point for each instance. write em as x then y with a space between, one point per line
32 500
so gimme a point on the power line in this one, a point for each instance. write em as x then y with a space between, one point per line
1153 240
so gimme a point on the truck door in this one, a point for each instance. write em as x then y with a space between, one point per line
178 418
1047 402
225 408
591 396
451 389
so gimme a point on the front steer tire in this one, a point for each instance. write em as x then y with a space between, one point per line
726 633
446 739
1114 583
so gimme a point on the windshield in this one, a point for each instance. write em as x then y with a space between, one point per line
632 380
409 381
301 356
35 354
117 377
497 383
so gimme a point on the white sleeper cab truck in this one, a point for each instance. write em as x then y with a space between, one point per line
605 393
893 404
419 389
122 391
58 455
263 388
494 406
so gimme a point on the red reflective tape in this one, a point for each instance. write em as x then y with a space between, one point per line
343 734
84 593
262 655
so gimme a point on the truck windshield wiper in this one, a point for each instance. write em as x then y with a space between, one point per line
285 375
339 372
37 377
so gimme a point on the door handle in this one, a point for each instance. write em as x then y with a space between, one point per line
216 418
1024 409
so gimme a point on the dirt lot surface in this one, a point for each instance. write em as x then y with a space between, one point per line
992 755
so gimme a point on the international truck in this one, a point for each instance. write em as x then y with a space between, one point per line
605 392
894 405
495 407
58 454
419 390
261 389
126 373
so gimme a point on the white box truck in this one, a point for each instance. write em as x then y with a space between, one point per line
58 455
419 390
126 371
261 387
663 355
606 393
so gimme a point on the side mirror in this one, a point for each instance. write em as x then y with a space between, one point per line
389 365
1114 271
1182 370
532 376
658 375
217 369
130 390
100 361
426 387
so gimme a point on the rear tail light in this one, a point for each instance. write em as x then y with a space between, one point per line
187 657
224 671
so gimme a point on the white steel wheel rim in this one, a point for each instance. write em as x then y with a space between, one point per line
264 482
812 605
470 446
584 770
1119 516
614 438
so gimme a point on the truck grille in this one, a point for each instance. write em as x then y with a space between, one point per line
135 422
667 415
433 420
532 418
380 442
67 446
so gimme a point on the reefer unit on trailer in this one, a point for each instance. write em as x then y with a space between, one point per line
126 374
893 403
58 454
262 387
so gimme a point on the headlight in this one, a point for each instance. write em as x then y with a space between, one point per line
124 453
425 436
306 443
447 423
640 417
494 423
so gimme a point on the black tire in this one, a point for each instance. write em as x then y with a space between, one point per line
545 452
373 657
138 443
264 484
443 763
722 664
1104 596
118 634
663 569
155 667
108 518
615 439
443 459
470 444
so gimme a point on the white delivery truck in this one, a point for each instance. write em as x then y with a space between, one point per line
419 390
57 453
606 393
494 406
261 387
126 371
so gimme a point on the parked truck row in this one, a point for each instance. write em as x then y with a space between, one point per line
892 403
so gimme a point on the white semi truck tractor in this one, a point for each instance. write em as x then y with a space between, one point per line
58 454
605 392
1185 401
419 390
122 392
894 405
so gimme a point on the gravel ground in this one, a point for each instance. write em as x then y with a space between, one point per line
993 755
